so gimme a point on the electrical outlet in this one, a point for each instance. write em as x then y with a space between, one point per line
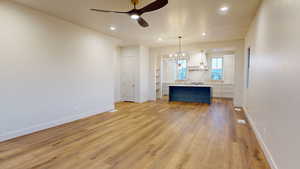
240 121
238 109
264 131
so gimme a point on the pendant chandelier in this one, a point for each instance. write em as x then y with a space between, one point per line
203 61
179 54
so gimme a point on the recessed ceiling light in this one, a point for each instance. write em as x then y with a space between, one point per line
135 16
170 55
204 34
160 39
224 9
112 28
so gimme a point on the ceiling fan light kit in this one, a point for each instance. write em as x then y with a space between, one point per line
135 17
136 14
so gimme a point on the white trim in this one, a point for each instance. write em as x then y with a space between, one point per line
261 142
128 100
210 70
29 130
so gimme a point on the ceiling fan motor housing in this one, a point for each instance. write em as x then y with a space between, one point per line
137 13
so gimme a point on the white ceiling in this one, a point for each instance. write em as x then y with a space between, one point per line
188 18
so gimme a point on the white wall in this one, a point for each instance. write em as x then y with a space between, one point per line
229 68
237 46
117 76
144 63
154 75
51 71
199 76
272 101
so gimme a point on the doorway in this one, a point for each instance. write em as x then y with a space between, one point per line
128 78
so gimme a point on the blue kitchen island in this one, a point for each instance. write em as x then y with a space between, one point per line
190 93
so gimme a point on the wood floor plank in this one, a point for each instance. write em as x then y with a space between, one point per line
152 135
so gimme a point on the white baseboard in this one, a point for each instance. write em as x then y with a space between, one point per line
261 142
39 127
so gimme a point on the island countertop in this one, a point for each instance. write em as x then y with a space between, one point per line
189 85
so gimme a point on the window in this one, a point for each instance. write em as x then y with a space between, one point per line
217 68
182 69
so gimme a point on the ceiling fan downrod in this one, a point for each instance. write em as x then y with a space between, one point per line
135 2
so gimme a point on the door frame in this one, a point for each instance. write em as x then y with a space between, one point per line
134 98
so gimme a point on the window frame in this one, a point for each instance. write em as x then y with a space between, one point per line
187 71
211 68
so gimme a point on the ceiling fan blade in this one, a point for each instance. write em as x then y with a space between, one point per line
153 6
142 22
100 10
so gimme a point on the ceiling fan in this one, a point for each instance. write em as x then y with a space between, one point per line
136 14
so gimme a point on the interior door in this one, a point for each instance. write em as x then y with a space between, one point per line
128 75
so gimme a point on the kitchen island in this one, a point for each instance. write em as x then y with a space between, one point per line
190 93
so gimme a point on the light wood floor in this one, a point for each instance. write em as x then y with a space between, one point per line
153 135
